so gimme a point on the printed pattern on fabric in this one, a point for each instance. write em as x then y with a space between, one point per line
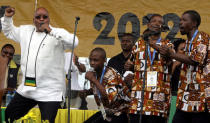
117 92
156 99
194 84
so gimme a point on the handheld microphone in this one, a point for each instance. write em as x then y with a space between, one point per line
41 24
77 18
91 69
86 80
164 28
45 30
147 35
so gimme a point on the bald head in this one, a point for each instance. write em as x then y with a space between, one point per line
100 51
41 17
41 8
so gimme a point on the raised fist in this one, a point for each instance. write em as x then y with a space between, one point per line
9 12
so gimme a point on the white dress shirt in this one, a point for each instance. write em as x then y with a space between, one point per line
43 57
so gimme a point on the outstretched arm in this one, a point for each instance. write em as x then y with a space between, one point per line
65 37
166 51
183 58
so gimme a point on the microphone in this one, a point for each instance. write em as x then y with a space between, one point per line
164 28
41 24
45 30
77 18
147 35
86 80
91 69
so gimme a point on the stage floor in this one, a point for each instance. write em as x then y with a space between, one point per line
34 116
76 116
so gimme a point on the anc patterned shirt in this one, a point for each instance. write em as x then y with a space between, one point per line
156 98
194 84
117 92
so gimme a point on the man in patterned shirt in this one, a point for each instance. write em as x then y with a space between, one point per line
157 84
110 92
193 98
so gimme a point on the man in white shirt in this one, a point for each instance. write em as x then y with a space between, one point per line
42 64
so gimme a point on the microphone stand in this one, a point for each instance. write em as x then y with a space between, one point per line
146 39
69 71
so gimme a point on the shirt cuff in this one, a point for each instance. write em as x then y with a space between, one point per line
7 19
54 34
126 73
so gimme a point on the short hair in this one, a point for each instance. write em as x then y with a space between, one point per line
177 42
8 45
101 50
41 8
194 16
154 15
146 31
128 34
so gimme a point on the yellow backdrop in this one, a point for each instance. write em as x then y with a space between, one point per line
63 13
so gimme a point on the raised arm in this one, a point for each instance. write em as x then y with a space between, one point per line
81 67
8 28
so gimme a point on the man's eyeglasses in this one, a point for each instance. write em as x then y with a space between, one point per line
6 52
43 16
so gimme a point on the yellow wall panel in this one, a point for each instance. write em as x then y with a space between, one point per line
63 13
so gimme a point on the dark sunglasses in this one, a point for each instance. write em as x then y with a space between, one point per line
43 16
6 52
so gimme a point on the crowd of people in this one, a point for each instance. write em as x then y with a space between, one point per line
136 84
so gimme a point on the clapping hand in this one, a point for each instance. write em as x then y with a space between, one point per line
128 65
165 51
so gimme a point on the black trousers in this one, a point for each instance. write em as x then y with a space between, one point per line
98 118
134 118
20 106
191 117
